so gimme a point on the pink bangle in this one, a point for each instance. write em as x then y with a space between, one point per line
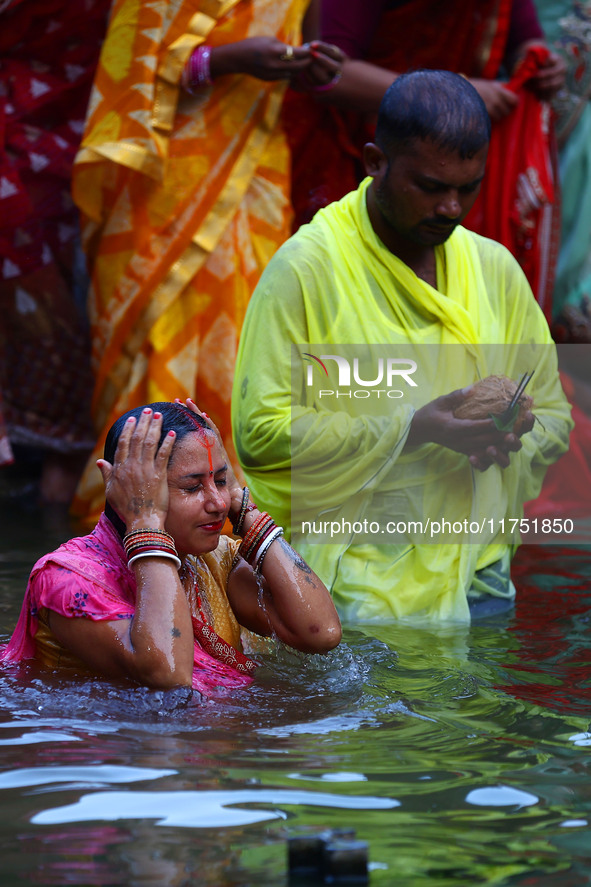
324 87
197 74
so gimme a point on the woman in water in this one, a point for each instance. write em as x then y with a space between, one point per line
155 593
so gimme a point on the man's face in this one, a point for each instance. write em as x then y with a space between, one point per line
425 191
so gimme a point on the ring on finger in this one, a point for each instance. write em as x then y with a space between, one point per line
288 55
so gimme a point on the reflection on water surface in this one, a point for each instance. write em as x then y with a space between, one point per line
461 755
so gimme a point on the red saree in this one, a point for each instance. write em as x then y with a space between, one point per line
326 143
518 204
48 53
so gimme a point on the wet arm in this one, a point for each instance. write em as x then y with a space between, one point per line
154 648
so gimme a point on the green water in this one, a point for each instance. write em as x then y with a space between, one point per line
460 755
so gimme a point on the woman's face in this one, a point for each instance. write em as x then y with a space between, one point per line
199 499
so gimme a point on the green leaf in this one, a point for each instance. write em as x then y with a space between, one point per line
505 421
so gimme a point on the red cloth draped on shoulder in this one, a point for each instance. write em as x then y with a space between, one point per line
518 204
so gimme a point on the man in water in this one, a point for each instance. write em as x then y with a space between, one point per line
402 508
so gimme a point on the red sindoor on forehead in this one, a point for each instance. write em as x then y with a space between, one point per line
208 444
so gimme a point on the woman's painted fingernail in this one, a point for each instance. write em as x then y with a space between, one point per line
157 415
147 410
171 434
131 419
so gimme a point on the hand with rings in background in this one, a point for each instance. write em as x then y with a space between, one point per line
324 71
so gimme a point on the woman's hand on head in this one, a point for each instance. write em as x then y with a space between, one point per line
136 485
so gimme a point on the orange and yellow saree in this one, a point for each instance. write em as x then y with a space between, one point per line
184 201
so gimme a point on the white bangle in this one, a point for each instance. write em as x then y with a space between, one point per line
258 561
156 553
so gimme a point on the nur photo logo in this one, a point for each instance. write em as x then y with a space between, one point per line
385 373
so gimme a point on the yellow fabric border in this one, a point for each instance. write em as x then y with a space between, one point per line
130 155
208 236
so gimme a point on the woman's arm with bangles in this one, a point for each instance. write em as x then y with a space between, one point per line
287 599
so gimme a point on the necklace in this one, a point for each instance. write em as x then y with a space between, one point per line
205 633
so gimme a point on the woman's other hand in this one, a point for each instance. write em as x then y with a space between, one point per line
550 77
288 600
499 100
136 484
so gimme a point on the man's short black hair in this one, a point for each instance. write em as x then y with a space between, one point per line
436 106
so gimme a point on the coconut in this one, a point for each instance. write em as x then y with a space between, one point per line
491 397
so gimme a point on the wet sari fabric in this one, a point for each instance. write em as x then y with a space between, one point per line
471 38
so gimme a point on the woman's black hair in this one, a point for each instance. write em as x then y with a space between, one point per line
436 106
175 417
